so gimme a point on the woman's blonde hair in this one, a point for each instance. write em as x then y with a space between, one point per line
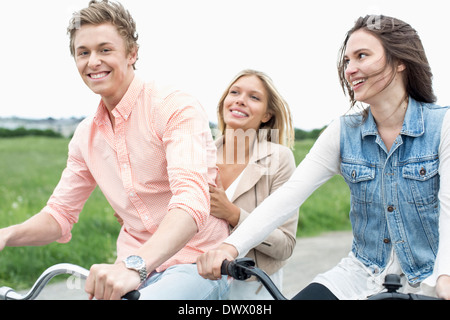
105 11
281 119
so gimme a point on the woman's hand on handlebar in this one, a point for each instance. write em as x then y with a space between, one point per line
209 263
443 287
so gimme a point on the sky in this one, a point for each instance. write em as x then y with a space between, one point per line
200 45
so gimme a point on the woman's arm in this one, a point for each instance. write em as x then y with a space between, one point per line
442 264
320 165
280 243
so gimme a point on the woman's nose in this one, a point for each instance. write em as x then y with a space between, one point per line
350 69
240 100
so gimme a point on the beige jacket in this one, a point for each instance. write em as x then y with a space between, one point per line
270 166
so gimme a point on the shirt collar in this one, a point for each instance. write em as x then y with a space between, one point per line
125 106
413 124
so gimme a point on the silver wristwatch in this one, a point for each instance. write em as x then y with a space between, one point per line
138 264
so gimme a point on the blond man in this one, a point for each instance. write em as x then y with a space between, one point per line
149 149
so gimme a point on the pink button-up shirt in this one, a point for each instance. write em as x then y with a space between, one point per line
160 156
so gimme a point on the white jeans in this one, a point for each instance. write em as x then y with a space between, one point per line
352 280
182 282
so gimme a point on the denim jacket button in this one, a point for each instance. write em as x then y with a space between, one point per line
386 240
390 208
423 172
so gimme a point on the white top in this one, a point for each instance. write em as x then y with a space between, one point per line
232 188
319 165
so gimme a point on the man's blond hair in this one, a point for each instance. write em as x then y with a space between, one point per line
105 11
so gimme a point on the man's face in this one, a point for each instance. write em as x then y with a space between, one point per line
102 60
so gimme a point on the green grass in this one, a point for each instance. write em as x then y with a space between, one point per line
328 207
30 168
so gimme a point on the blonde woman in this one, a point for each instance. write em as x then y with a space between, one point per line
254 159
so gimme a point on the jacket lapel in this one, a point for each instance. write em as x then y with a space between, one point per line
255 169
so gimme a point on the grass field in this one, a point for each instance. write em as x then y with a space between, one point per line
31 167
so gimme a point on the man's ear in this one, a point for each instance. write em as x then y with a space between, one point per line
133 56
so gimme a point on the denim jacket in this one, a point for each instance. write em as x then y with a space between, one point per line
394 195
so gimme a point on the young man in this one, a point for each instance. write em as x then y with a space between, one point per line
150 151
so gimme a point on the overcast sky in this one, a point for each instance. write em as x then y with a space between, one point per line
199 45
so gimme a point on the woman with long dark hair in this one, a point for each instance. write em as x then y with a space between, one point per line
395 158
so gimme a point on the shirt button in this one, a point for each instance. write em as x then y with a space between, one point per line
132 194
390 208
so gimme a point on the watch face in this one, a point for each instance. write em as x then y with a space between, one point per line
134 262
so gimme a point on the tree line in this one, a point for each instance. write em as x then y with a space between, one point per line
23 132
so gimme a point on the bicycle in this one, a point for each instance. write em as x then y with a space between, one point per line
7 293
243 269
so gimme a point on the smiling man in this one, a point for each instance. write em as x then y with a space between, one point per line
149 149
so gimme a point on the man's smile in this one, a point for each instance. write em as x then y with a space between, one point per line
98 76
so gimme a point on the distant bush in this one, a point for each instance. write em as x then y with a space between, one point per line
23 132
302 134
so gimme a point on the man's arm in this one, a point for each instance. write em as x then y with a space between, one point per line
175 231
39 230
114 281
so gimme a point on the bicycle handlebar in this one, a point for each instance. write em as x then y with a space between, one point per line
64 268
392 283
242 269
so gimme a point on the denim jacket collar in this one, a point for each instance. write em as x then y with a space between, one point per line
413 124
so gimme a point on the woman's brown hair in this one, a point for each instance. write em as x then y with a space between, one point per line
402 45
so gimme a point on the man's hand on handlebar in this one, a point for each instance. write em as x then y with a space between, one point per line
110 281
209 263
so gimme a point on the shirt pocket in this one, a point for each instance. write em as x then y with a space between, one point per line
422 179
360 179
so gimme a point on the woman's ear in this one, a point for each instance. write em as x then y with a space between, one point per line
401 67
266 117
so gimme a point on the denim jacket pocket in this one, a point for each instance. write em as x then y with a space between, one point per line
422 179
358 178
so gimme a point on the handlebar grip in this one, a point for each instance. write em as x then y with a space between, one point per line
224 270
133 295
